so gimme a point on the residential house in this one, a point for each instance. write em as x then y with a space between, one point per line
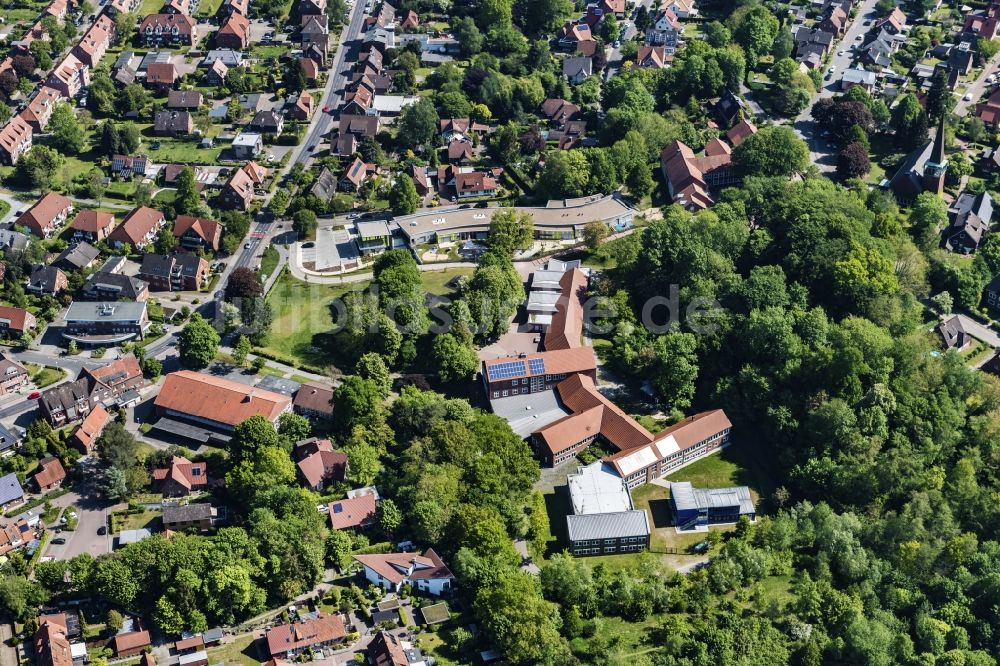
387 649
472 184
577 68
199 516
359 125
107 286
202 407
653 56
953 334
195 232
15 322
13 243
234 33
268 122
51 640
230 7
238 191
70 76
38 111
461 129
989 111
285 641
682 9
559 111
923 170
315 31
312 7
51 474
180 477
812 37
11 492
571 34
92 225
47 215
176 272
354 176
325 185
13 375
310 68
161 76
894 22
426 573
195 643
314 400
77 257
460 151
184 100
139 228
834 21
971 216
130 643
319 464
217 73
983 23
410 22
113 384
96 41
690 179
358 102
105 323
353 512
161 29
247 145
699 507
858 77
665 31
46 281
960 59
304 106
991 294
126 166
15 140
85 436
177 7
172 123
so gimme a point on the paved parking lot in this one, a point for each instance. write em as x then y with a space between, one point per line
92 511
332 246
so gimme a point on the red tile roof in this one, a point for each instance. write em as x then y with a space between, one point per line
91 427
51 644
183 472
325 628
209 231
218 399
136 226
130 641
397 567
52 472
19 318
323 466
567 323
40 217
352 512
92 221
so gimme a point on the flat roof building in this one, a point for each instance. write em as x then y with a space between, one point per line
604 520
698 507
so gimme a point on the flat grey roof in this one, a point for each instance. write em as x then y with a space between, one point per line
560 214
188 431
529 412
687 497
608 525
373 229
279 385
543 301
597 488
101 311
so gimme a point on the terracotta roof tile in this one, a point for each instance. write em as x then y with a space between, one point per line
352 512
218 399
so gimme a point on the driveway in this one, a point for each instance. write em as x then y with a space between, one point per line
92 511
979 331
976 89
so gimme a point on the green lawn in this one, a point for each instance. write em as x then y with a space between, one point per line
738 464
123 521
184 151
208 7
241 651
303 316
269 262
626 640
150 7
47 376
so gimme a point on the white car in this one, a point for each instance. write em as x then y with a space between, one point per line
833 68
968 97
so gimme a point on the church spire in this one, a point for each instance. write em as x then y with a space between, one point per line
937 154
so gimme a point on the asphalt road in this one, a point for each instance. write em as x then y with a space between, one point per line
92 513
318 128
823 155
977 88
615 54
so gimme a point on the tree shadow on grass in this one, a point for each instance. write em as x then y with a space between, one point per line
558 506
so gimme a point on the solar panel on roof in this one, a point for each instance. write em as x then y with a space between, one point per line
537 366
506 370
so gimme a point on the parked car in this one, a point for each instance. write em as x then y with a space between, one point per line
58 541
102 530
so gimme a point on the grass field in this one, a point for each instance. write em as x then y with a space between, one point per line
122 521
241 651
150 7
269 261
46 376
303 317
